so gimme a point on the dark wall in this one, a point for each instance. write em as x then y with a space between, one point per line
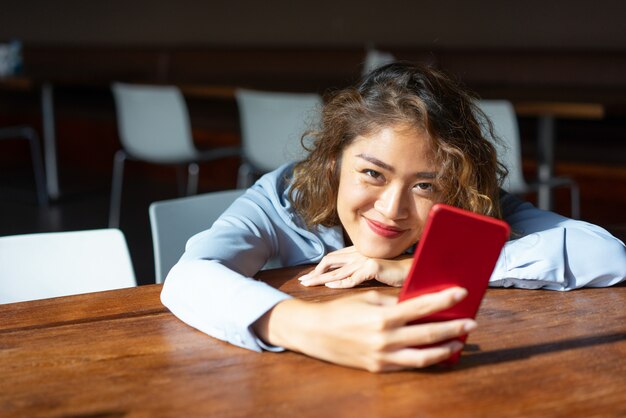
516 49
437 24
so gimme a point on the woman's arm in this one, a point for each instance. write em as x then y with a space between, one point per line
219 301
212 287
547 251
554 252
368 330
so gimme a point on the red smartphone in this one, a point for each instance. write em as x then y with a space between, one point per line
457 248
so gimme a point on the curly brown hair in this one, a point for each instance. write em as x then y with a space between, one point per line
403 94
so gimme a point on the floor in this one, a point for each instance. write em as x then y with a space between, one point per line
86 206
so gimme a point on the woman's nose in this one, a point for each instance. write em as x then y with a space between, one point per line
393 203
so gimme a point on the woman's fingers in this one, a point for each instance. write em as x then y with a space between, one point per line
336 259
343 272
346 283
354 276
333 260
371 330
348 268
312 277
427 334
411 358
421 306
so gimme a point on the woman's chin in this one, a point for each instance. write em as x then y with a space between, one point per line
377 251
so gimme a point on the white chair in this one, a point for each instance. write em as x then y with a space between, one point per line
272 125
154 126
375 58
52 264
28 133
504 120
174 221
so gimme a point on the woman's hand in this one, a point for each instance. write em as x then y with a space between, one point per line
348 268
368 330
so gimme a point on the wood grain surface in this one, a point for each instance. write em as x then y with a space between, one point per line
122 354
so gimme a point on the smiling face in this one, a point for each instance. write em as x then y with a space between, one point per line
386 189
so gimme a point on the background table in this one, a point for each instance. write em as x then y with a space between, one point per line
46 94
121 353
547 113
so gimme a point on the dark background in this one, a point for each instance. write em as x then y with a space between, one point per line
433 24
531 50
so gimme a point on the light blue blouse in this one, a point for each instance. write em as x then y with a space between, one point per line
211 288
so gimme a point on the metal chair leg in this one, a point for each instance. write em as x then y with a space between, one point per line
38 168
575 199
116 189
192 179
31 136
244 176
181 180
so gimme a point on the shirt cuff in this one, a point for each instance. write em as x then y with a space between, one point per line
532 262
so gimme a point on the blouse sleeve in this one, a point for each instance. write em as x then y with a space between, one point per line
211 288
553 252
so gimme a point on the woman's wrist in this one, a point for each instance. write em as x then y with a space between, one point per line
282 325
395 271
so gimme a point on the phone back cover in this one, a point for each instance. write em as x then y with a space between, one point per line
458 248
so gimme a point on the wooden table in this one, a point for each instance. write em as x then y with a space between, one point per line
121 353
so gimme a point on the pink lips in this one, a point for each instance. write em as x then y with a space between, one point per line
383 230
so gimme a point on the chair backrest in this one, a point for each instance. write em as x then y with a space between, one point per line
504 120
153 122
272 124
375 58
45 265
174 221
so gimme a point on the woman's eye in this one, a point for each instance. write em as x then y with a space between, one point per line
424 187
372 173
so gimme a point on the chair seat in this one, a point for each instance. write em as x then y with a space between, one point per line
196 156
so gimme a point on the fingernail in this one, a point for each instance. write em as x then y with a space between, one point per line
305 283
459 294
470 326
303 277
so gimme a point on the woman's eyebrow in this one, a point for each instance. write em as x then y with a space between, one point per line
377 162
384 165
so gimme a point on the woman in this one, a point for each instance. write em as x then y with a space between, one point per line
402 140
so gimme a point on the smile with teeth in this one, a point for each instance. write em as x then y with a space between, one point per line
383 230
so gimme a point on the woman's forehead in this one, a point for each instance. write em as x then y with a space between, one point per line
391 133
392 143
400 127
